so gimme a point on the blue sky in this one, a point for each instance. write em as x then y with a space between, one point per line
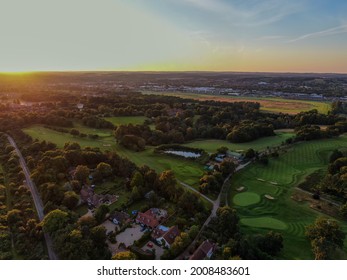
226 35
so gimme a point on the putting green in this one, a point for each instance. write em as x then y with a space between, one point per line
264 222
246 198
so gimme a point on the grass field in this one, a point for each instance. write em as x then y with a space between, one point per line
246 198
278 180
187 171
212 145
270 223
288 106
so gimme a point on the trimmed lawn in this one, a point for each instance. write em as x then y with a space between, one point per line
127 120
60 138
246 198
187 171
264 222
122 199
110 187
102 133
278 179
212 145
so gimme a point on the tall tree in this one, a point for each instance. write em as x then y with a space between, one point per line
55 220
81 173
326 237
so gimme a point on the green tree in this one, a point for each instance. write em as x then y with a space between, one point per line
98 235
74 132
101 212
208 183
71 199
272 243
81 173
167 179
72 146
76 186
126 255
335 155
193 231
326 237
222 150
13 217
250 153
55 220
227 167
135 194
137 180
104 169
227 223
343 210
180 243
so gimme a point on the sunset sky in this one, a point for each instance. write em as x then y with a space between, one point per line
217 35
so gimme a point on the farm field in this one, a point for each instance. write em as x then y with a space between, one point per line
274 185
212 145
288 106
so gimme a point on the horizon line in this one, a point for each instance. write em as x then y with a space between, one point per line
168 71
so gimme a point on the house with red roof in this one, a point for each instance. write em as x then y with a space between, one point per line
204 251
169 236
146 219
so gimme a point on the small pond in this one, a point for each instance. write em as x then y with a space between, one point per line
183 154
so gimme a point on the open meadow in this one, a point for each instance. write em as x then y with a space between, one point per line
268 104
211 145
265 201
187 171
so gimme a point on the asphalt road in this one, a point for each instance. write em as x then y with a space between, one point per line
36 197
213 214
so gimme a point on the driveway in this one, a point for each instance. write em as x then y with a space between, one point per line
159 251
129 235
109 226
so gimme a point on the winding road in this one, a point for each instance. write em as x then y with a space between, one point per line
215 203
36 197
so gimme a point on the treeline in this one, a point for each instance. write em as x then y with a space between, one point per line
224 230
19 224
250 131
331 182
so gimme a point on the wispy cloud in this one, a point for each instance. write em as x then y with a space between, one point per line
271 37
323 33
244 14
208 5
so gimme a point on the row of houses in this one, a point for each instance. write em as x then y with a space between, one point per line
165 236
153 219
